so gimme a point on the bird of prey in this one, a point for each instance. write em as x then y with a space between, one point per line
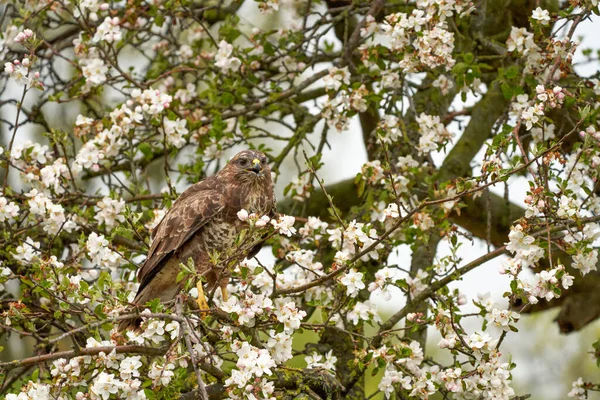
204 222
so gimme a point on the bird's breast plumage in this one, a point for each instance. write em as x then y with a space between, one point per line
257 202
222 231
219 233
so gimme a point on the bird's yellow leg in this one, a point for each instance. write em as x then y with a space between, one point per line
202 303
224 293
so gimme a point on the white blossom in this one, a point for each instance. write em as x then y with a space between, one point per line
106 385
578 391
540 135
337 77
433 133
175 131
224 60
541 15
155 330
254 361
173 328
24 36
503 318
313 361
129 367
99 252
481 341
444 84
8 211
242 215
280 346
94 71
284 224
363 311
392 377
18 71
28 251
585 262
520 40
109 212
159 214
108 31
288 314
523 246
353 281
161 375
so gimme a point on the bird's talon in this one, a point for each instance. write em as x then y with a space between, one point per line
202 303
224 293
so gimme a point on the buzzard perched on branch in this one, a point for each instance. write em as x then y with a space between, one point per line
204 222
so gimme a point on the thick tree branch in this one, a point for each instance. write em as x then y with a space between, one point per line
483 117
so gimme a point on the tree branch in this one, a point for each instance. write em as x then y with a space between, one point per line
431 289
88 351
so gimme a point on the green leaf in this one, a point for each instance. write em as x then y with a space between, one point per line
227 99
507 91
361 187
585 112
512 72
460 68
557 291
98 311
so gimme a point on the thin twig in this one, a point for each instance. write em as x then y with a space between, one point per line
12 139
186 337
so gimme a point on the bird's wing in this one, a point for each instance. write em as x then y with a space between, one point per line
189 214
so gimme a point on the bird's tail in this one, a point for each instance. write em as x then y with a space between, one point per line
142 296
163 286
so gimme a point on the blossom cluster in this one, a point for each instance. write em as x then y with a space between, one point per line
357 237
343 103
420 40
283 224
433 133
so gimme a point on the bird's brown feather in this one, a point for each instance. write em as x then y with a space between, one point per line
194 208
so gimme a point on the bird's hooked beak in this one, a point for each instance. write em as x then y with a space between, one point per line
256 166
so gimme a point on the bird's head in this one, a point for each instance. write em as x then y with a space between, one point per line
250 166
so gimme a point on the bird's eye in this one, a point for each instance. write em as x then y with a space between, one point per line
263 160
243 162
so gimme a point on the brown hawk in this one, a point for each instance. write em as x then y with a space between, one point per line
203 222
